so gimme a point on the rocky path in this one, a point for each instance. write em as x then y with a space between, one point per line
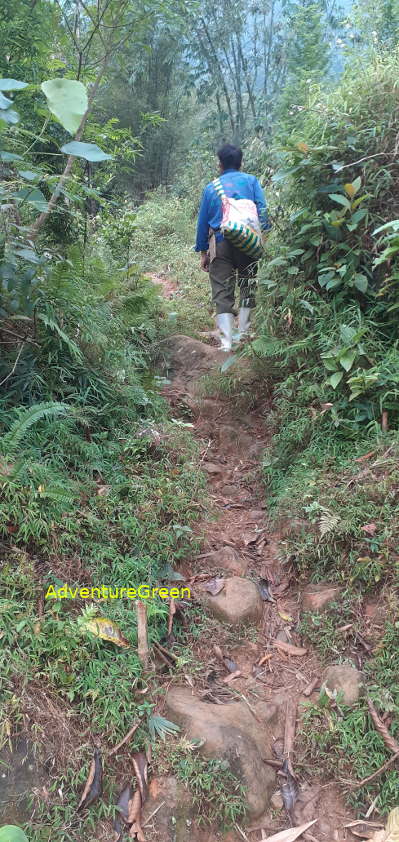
246 706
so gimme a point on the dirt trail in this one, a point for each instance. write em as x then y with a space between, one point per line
237 541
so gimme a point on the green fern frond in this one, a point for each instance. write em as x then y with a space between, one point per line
27 418
53 325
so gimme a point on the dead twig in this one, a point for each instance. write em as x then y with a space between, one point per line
379 771
126 738
389 740
142 637
289 732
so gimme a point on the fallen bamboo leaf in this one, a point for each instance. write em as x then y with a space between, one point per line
289 789
214 586
231 677
122 807
218 652
391 832
291 833
140 765
230 665
363 829
172 612
289 649
93 786
264 590
106 630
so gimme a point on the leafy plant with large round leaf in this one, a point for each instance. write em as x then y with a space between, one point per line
67 100
12 833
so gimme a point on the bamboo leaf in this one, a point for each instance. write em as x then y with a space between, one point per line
291 833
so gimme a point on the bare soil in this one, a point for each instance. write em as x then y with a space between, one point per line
232 440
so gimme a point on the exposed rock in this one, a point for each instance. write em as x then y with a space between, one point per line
173 821
238 602
318 598
189 357
229 559
344 679
231 732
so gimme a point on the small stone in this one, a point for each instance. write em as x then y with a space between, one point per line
238 602
318 598
343 679
276 801
229 559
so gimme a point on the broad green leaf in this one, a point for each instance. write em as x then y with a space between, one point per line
394 224
347 359
361 283
341 200
29 175
4 101
12 833
330 363
9 116
293 270
88 151
10 156
360 199
12 85
335 379
67 100
33 196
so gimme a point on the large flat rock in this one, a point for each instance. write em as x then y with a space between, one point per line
234 733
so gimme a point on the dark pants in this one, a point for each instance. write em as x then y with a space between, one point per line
229 267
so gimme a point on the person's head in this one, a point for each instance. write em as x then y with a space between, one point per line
230 157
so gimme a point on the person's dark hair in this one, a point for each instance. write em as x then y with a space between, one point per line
230 156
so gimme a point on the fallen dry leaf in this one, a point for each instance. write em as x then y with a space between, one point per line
369 528
106 630
214 586
265 591
285 616
290 834
289 649
391 832
93 786
363 829
231 677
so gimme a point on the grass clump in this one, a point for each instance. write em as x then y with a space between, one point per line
344 743
216 794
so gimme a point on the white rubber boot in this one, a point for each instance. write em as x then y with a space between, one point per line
225 323
243 321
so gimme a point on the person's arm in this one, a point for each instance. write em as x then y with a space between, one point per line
260 201
202 241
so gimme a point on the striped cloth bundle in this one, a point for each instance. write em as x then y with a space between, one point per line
240 223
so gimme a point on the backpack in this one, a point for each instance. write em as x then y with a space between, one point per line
240 223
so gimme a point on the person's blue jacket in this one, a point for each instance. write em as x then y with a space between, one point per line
236 185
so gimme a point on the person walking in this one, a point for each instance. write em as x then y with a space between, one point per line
225 255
